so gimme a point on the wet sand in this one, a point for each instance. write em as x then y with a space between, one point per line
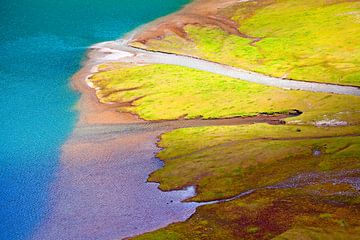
101 190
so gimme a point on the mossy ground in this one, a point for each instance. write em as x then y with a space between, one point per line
304 40
225 161
170 92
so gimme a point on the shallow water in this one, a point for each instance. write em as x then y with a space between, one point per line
101 191
42 43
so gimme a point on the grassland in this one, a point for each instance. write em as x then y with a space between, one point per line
225 161
251 156
303 40
157 92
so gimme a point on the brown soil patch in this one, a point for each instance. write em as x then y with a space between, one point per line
201 12
205 13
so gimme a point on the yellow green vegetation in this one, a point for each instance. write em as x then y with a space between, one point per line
299 39
225 161
169 92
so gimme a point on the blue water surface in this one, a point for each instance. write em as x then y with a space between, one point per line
41 45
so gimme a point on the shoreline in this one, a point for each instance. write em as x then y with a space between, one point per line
111 154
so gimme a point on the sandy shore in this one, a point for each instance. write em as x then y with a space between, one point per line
100 191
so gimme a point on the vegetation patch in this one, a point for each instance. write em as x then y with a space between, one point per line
225 161
303 177
303 40
157 92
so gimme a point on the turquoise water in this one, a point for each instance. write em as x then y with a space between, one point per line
41 45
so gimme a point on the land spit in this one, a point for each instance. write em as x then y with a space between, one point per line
120 51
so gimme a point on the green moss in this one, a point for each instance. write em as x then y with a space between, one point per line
225 161
325 215
170 92
252 229
305 40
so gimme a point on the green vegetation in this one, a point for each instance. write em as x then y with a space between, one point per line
251 156
169 92
304 40
225 161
